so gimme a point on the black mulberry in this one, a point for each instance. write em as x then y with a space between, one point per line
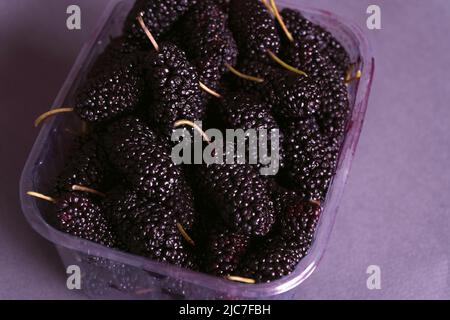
174 86
240 192
149 229
224 251
81 216
209 42
310 160
112 93
243 111
273 259
143 159
314 36
158 15
88 167
254 29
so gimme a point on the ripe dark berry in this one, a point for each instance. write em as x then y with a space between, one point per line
112 93
254 29
296 97
284 198
240 192
87 166
314 36
149 228
158 16
244 111
224 251
173 84
209 42
268 72
310 160
335 112
274 258
299 221
137 152
81 216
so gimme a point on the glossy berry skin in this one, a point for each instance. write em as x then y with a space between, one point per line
278 254
112 93
142 158
273 259
148 228
240 192
122 201
299 221
335 113
88 166
314 36
159 16
224 251
311 161
295 97
254 29
173 83
283 198
209 44
245 111
79 215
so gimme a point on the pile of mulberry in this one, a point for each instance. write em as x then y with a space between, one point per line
121 187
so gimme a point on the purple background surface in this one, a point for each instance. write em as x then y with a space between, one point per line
396 209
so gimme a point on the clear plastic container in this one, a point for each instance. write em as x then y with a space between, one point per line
110 274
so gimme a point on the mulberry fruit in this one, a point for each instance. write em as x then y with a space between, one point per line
314 36
174 86
273 259
149 229
299 221
254 29
159 16
270 75
241 194
224 251
295 97
138 153
111 94
310 162
87 167
278 255
243 111
335 112
209 43
80 216
284 198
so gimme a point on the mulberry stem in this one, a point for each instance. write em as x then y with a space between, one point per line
241 279
41 196
88 190
243 75
180 123
185 235
210 91
47 114
357 76
285 65
280 21
147 32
